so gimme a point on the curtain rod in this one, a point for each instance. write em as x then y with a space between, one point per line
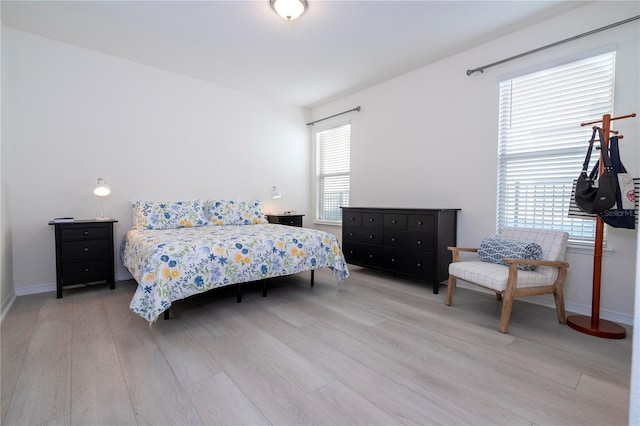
597 30
334 115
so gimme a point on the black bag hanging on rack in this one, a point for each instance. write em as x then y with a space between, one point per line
623 213
595 194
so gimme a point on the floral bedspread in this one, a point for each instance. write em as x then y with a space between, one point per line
172 264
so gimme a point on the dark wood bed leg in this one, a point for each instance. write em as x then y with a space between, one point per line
264 288
312 275
166 314
238 294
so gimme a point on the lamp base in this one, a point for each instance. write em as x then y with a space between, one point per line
102 218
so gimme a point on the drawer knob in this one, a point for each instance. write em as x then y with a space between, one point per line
85 233
370 256
419 242
394 221
419 222
393 260
371 237
351 234
393 239
418 264
86 249
371 220
352 218
350 251
86 269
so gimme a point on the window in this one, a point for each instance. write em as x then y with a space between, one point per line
542 146
332 172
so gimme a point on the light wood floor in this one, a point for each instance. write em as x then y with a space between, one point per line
375 350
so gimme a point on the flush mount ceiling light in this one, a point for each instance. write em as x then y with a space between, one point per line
289 9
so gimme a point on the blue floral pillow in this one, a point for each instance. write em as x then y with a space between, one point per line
168 215
221 212
495 249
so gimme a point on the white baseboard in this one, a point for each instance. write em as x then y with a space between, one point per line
575 308
47 287
35 289
6 305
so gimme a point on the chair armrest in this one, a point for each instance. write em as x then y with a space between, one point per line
455 252
550 263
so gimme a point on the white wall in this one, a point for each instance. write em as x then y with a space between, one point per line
73 115
429 139
7 293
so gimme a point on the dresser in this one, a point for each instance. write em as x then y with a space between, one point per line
84 253
286 219
410 242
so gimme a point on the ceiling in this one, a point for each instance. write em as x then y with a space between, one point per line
335 48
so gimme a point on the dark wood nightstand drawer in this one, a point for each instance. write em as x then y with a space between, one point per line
290 220
80 250
84 233
85 272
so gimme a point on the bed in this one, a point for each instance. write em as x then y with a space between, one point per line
178 249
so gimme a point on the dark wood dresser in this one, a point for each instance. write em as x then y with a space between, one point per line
84 253
411 242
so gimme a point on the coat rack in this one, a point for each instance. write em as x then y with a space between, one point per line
594 325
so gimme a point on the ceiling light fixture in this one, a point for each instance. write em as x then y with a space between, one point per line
289 9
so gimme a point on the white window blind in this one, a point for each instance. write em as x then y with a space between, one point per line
542 146
333 147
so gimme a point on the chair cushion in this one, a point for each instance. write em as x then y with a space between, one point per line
494 275
496 249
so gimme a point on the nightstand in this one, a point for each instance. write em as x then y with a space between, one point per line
84 253
288 219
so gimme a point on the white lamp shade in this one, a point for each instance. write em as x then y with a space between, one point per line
289 9
102 189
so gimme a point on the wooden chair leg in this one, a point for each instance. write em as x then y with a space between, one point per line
558 295
451 285
507 306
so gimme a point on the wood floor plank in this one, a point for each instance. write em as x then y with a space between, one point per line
156 393
347 407
188 360
403 405
100 395
291 366
15 333
92 339
43 389
220 402
276 399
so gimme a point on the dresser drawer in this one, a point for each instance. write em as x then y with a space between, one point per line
363 235
415 264
351 218
80 250
395 221
84 233
421 223
85 272
372 220
409 241
362 254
